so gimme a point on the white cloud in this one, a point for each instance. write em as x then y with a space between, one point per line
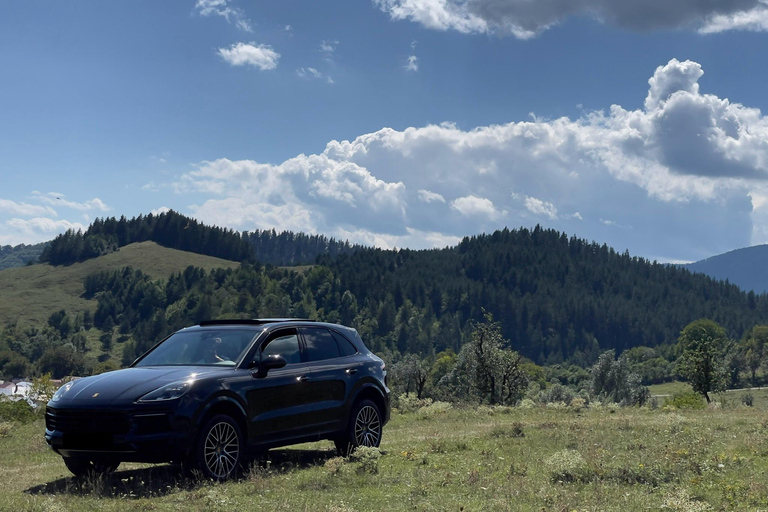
473 205
412 64
314 74
27 210
160 211
525 18
57 199
687 172
35 230
429 197
241 54
222 8
754 20
328 46
539 207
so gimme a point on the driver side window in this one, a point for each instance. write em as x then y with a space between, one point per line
284 343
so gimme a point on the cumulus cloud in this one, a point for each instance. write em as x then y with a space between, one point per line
542 208
753 20
57 199
688 172
412 63
259 56
31 231
429 197
27 210
473 205
526 18
225 10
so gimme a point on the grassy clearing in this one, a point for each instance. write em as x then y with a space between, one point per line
30 294
470 459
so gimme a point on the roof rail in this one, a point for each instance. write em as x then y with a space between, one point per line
251 321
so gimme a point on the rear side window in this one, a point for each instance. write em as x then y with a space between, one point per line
345 347
319 343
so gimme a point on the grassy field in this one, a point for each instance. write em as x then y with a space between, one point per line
537 459
30 294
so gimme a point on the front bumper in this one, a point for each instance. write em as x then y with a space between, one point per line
128 435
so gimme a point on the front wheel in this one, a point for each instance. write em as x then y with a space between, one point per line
219 448
364 428
81 467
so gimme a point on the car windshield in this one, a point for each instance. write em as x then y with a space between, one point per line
201 347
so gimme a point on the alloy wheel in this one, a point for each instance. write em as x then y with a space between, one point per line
221 450
367 427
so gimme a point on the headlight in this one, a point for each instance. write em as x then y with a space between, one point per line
168 392
61 391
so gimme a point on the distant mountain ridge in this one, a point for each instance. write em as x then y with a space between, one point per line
747 268
20 255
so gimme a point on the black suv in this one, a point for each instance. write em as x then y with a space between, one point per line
207 394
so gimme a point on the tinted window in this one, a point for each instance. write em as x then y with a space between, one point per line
345 347
286 344
221 347
319 343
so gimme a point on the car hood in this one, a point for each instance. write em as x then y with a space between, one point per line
130 384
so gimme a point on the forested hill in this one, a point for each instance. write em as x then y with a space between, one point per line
19 255
176 231
169 229
747 268
556 298
289 248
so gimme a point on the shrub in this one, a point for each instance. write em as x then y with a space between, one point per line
686 400
19 411
748 400
526 403
556 393
407 403
335 465
433 409
368 459
568 466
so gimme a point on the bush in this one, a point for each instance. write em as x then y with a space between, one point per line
686 400
433 409
748 400
19 411
568 466
406 403
368 458
556 393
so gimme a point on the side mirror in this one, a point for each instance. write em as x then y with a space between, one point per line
268 363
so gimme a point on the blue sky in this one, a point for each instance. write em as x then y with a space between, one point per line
391 122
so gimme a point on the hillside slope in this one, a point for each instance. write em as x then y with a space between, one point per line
747 268
30 294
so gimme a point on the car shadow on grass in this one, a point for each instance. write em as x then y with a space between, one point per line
161 480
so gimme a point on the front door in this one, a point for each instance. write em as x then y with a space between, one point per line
278 402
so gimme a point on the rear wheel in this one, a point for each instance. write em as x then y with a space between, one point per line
81 467
364 428
219 448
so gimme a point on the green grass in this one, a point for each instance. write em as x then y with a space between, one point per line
470 459
30 294
669 388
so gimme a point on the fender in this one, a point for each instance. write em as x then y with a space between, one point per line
218 399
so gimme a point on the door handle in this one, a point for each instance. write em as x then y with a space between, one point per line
303 378
350 371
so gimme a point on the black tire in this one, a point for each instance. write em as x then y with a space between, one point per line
81 467
219 449
364 428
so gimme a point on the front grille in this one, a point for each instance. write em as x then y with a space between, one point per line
81 421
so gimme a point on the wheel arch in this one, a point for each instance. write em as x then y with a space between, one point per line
229 406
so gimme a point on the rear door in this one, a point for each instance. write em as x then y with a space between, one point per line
333 370
279 403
